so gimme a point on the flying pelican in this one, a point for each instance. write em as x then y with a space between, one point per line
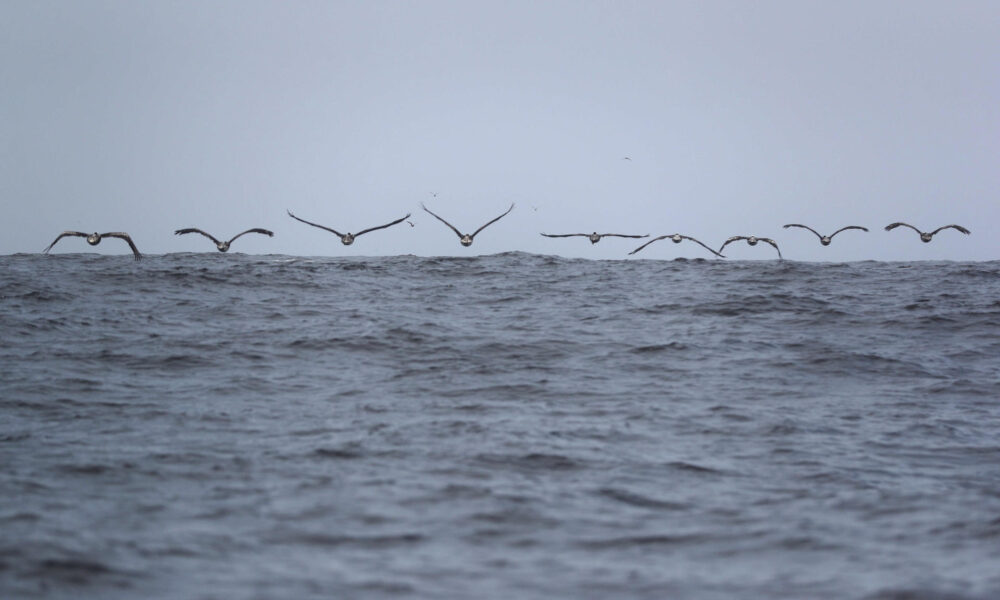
348 238
677 238
826 239
924 236
593 237
95 238
752 240
223 246
465 238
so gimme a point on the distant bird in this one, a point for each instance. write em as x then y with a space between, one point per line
826 239
465 238
95 238
677 238
223 246
593 237
751 240
348 238
924 236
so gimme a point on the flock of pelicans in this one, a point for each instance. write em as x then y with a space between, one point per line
466 238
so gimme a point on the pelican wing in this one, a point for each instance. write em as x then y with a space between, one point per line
493 221
735 238
656 239
333 231
702 245
124 236
804 227
892 226
958 227
457 232
848 227
193 230
254 230
61 236
565 234
623 235
397 221
773 243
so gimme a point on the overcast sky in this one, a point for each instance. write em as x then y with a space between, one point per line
737 117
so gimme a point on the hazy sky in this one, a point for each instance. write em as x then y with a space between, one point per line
738 117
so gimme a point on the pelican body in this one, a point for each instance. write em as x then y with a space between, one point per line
752 241
826 239
95 238
466 238
593 237
223 246
926 237
676 238
348 238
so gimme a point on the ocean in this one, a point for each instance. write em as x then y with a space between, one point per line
507 426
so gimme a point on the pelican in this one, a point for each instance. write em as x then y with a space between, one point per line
223 246
465 238
752 240
348 238
826 239
924 236
95 238
677 238
593 237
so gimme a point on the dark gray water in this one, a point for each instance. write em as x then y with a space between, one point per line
509 426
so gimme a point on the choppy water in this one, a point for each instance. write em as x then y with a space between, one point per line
508 426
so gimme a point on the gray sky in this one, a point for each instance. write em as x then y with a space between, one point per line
738 117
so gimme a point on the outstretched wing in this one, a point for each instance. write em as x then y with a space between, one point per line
848 227
61 236
254 230
686 237
493 221
958 227
895 225
805 227
333 231
773 243
457 232
124 236
656 239
731 240
565 234
193 230
623 235
383 226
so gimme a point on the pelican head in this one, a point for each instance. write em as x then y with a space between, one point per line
466 240
752 240
222 246
825 240
676 238
594 238
924 237
94 239
348 239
